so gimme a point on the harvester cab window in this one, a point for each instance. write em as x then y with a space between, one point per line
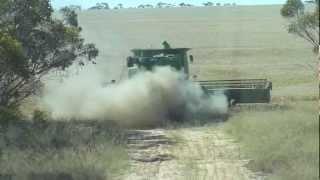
191 59
130 62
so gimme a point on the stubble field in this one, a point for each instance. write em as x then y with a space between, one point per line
279 140
228 43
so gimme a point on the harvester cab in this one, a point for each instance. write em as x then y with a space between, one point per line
147 59
237 91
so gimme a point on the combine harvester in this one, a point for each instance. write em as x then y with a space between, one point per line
237 91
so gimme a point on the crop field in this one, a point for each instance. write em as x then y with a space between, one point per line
279 140
228 43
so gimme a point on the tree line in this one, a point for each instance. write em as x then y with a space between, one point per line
106 6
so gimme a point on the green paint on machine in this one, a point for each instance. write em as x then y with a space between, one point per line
237 91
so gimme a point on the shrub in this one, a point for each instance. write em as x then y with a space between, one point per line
7 115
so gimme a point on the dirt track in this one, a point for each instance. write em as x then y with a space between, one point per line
189 153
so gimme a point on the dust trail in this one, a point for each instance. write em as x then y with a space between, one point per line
148 98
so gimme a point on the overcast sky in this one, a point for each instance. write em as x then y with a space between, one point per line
132 3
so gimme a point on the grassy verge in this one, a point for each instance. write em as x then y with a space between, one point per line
282 141
67 150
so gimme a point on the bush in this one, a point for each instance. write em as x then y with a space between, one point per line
9 115
40 117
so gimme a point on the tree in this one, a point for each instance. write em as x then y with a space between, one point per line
160 5
185 5
105 5
292 8
12 67
182 4
309 2
120 6
100 6
301 23
70 16
33 44
145 6
208 4
304 24
148 6
170 5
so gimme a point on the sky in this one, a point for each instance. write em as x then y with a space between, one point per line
132 3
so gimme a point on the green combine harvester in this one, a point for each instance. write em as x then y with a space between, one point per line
237 91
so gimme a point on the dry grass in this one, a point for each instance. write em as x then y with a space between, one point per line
283 142
227 42
54 150
231 42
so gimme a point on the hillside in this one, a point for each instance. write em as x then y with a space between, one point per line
227 42
159 125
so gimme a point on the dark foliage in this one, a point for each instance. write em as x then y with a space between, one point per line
303 24
33 43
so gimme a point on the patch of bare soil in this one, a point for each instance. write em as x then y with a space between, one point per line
189 153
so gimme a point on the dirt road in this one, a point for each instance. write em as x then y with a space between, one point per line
187 153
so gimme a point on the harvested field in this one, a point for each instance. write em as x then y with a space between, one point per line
227 43
274 141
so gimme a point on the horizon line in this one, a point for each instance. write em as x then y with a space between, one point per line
114 4
194 6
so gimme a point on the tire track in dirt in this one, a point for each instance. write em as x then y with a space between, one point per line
204 153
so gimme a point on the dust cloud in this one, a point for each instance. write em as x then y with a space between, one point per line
148 98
